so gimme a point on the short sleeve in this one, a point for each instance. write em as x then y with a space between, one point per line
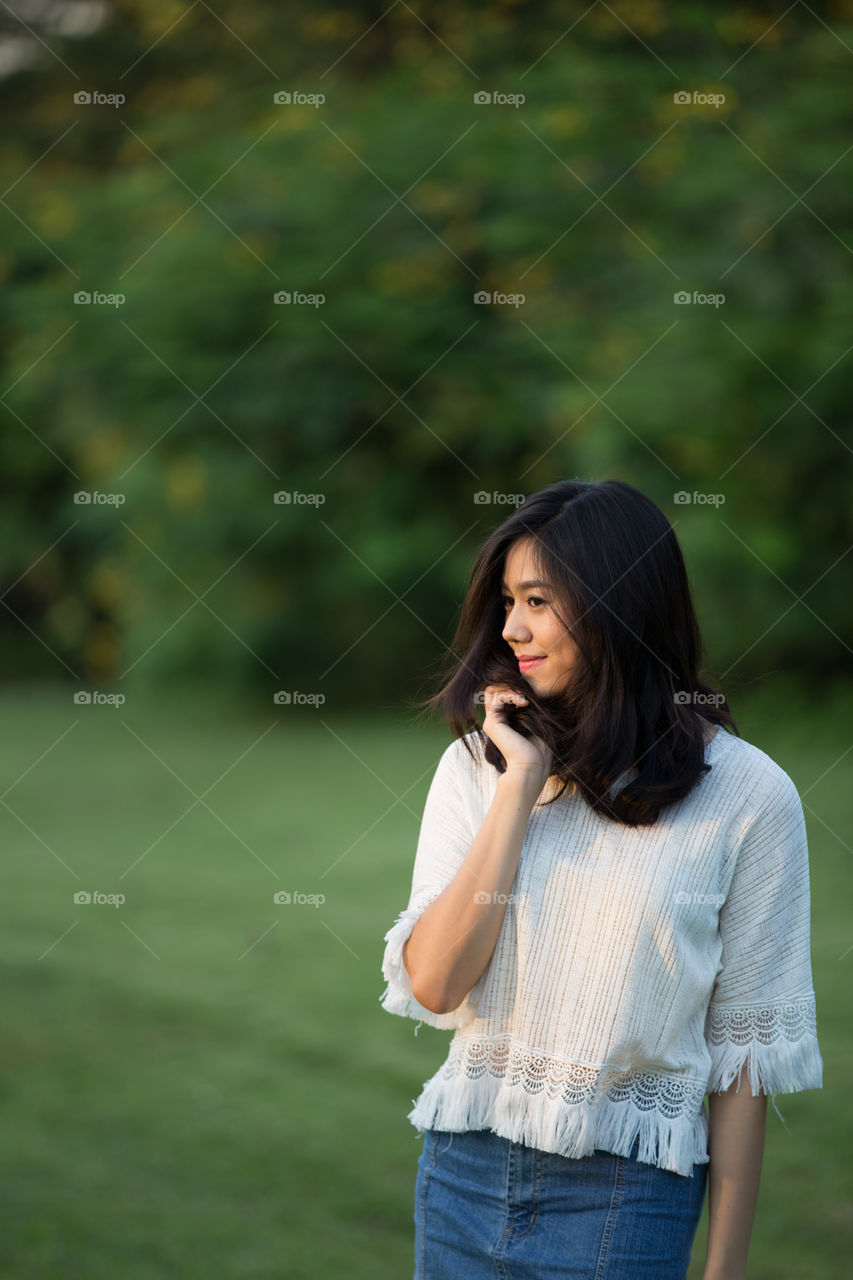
762 1008
446 834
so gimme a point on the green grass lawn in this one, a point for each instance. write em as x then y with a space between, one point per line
200 1082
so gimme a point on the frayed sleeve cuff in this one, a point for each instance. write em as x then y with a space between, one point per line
397 996
776 1042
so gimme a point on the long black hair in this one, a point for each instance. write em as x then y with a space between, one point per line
635 702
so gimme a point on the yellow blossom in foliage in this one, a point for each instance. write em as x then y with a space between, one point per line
105 585
101 452
746 26
410 277
155 20
562 122
186 483
434 197
101 650
642 17
336 25
54 217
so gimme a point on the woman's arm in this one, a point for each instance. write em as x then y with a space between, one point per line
736 1126
454 939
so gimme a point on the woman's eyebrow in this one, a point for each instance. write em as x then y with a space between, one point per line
524 586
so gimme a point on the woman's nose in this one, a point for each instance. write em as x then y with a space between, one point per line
513 631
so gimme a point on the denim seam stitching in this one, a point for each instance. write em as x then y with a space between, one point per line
613 1209
429 1166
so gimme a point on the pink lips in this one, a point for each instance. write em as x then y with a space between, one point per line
527 664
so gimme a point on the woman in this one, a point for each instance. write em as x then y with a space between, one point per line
610 906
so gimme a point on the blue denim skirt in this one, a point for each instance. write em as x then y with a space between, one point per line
487 1208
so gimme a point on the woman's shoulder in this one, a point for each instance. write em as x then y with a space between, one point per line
467 754
739 768
741 764
463 764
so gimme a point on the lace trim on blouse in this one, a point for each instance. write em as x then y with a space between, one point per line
541 1073
765 1024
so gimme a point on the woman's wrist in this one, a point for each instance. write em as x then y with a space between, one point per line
528 778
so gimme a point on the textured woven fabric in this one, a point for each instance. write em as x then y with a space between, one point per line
636 969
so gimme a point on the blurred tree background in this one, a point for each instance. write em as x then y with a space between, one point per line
386 407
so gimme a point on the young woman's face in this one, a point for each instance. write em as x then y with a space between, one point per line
531 628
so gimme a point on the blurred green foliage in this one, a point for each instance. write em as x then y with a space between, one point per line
399 398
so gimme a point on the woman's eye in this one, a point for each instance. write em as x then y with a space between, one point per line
534 600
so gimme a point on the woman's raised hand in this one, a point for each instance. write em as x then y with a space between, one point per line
530 755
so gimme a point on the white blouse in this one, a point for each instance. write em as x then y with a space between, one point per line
636 969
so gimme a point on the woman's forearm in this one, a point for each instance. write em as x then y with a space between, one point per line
736 1127
454 939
